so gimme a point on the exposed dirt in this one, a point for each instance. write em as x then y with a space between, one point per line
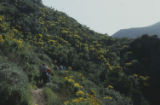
38 97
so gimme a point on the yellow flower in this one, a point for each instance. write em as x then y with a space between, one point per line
109 66
108 97
64 32
19 42
76 100
80 93
144 77
135 75
70 76
1 18
128 64
76 36
66 78
15 30
110 87
1 39
40 35
77 85
66 102
52 25
71 80
93 100
93 91
82 99
42 22
87 94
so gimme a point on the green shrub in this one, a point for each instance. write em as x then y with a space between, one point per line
111 97
80 103
13 86
50 97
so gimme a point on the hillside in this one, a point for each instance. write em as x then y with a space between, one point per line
137 32
86 67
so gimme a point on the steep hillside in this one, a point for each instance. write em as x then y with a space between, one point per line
137 32
87 68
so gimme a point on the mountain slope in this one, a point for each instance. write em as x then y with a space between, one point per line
85 65
137 32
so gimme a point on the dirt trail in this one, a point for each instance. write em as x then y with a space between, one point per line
38 97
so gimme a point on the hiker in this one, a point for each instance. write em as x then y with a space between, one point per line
48 73
62 67
45 73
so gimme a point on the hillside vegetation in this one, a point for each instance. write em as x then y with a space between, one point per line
99 70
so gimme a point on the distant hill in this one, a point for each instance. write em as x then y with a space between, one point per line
137 32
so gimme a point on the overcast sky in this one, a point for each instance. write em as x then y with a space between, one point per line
109 16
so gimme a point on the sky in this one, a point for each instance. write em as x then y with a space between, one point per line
109 16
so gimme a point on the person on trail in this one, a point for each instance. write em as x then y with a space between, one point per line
44 73
48 73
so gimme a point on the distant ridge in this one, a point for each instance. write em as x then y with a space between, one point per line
137 32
